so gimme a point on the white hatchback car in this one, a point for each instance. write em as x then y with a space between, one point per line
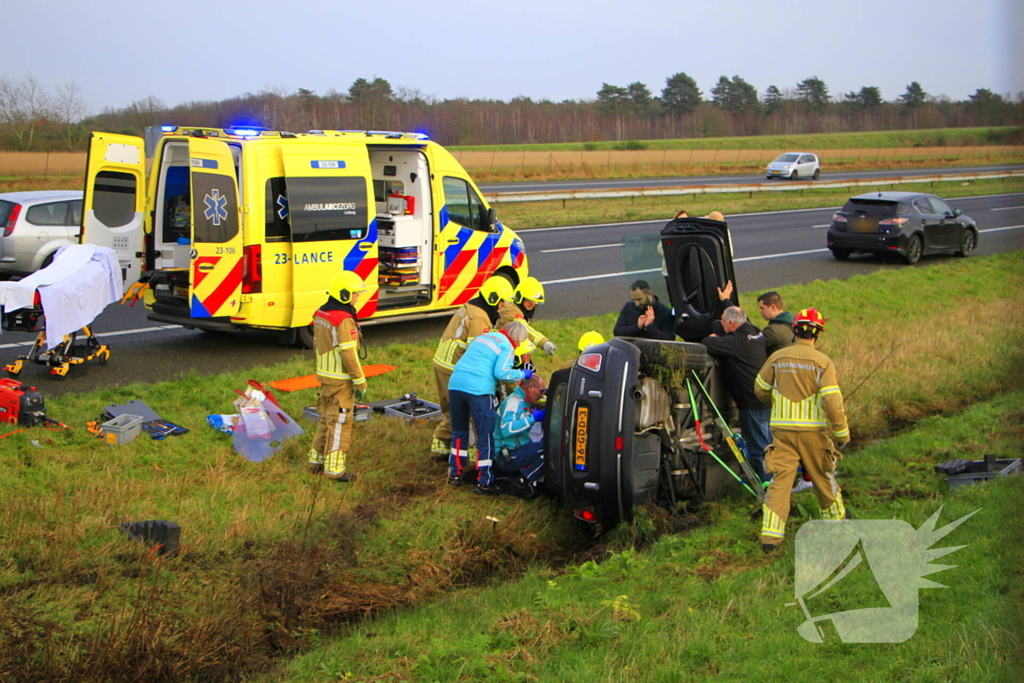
34 225
793 165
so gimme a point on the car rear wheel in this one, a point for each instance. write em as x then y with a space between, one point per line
914 248
817 173
841 254
967 244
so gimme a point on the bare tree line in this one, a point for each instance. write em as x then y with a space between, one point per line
34 119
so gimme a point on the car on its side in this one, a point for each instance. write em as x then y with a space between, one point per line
909 224
793 165
34 225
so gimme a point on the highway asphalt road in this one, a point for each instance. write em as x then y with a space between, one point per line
685 181
583 271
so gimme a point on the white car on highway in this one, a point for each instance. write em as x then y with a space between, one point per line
793 165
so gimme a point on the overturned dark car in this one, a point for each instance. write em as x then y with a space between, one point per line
634 420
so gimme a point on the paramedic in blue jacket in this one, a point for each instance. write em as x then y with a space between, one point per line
472 393
518 439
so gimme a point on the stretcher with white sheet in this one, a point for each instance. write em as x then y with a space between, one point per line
59 303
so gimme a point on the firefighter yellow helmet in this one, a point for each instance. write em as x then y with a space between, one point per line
344 285
530 289
589 339
496 289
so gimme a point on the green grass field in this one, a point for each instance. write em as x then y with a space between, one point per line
277 562
939 137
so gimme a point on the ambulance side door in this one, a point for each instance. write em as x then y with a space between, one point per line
215 282
468 242
115 199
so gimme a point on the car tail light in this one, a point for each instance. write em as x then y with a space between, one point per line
590 361
838 218
12 218
618 443
893 222
585 515
252 269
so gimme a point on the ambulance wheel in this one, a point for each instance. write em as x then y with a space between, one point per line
306 337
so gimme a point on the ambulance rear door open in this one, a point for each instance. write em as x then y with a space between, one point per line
112 214
215 281
326 200
402 197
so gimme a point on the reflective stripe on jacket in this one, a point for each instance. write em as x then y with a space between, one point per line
515 420
801 384
336 340
468 322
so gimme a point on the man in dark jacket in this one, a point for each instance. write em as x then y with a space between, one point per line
741 351
645 316
778 333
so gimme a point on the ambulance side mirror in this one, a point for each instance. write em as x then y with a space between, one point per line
492 221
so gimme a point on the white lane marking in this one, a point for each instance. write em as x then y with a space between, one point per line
1007 208
527 231
821 226
735 260
595 246
788 253
600 277
103 335
1009 227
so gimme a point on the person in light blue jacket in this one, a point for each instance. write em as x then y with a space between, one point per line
472 393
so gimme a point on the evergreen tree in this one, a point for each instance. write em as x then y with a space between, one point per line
680 94
773 100
914 97
814 93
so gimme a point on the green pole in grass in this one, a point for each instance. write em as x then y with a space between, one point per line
700 437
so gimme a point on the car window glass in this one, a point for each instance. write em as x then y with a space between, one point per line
76 212
464 206
790 158
922 205
806 159
53 213
5 211
940 207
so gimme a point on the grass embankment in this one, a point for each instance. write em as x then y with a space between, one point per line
933 137
525 215
707 605
273 556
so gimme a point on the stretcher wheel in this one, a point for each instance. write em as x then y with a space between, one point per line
103 357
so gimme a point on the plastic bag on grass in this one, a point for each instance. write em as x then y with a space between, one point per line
264 426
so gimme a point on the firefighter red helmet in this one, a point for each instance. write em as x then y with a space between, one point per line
809 318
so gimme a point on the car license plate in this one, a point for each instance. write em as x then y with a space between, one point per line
580 438
865 225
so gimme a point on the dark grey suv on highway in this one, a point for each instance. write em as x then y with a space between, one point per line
908 224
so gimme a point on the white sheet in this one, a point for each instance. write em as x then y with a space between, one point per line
82 280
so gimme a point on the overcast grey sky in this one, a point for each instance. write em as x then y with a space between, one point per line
119 52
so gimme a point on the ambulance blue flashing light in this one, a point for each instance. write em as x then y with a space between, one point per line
168 129
246 131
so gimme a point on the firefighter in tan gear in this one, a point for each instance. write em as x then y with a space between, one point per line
528 296
475 317
808 426
336 340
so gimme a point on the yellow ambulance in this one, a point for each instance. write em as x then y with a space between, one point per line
243 227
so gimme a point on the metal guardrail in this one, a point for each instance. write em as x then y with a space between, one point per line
780 186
